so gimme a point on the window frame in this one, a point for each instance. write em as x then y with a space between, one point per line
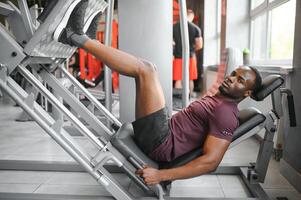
265 8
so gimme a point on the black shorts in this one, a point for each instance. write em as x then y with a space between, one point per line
151 131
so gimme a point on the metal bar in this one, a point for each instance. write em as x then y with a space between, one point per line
108 42
27 20
97 93
113 187
56 103
74 103
5 9
254 188
185 52
11 53
91 97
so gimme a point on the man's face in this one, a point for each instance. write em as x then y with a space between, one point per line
239 83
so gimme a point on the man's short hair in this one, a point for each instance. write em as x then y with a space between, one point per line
258 80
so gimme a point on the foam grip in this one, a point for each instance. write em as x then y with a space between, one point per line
291 110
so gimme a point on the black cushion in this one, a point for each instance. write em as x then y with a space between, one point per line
269 84
248 119
123 140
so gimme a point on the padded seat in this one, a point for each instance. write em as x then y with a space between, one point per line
124 141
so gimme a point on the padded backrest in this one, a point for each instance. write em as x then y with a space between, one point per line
269 84
248 119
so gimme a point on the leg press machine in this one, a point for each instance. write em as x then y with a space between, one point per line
31 51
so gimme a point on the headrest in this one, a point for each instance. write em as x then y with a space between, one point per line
269 84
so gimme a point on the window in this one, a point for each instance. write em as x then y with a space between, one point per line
258 25
272 31
256 3
282 31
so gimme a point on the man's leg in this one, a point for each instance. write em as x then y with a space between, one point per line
149 93
178 84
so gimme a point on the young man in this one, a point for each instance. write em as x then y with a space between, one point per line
207 123
195 44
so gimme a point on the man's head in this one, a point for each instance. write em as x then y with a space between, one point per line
241 83
190 15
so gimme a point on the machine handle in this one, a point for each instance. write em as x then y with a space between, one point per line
136 179
291 110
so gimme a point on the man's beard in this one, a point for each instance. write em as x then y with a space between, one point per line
226 94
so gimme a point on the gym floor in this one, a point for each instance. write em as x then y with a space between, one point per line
27 141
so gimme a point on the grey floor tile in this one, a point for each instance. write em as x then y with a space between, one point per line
204 181
24 177
45 146
233 186
230 181
73 190
70 178
197 192
202 186
236 193
18 188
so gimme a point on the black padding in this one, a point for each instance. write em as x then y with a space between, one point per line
248 119
269 84
123 140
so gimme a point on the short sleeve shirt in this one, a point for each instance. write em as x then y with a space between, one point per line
189 128
194 32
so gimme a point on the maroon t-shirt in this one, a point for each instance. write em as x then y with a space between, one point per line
189 128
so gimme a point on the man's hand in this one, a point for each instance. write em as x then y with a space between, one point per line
150 175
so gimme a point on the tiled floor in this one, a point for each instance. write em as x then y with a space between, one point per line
27 141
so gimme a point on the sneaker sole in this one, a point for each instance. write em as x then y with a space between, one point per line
64 21
42 43
94 7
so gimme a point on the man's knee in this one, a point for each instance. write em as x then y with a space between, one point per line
147 68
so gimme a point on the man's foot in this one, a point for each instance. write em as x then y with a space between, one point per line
49 5
93 13
70 30
92 29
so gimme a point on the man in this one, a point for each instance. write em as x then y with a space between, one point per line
195 44
207 123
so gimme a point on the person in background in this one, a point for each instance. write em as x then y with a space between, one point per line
195 44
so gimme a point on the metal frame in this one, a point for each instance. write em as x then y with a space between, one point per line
185 52
108 42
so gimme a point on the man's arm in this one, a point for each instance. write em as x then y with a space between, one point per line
198 43
214 149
